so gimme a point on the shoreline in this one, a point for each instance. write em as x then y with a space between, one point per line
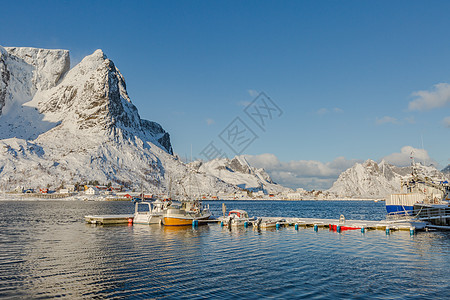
19 197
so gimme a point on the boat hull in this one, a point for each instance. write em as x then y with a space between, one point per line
399 209
147 220
180 221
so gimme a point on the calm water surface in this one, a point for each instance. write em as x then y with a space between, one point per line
48 251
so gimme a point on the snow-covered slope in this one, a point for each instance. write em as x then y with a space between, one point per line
238 172
60 126
372 180
446 170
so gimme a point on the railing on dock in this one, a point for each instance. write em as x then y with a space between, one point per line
431 213
404 215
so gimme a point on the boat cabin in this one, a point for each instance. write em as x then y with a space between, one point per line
238 213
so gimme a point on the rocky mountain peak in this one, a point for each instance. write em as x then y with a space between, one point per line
67 125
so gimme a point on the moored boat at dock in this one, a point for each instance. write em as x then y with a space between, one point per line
183 213
237 217
425 200
149 212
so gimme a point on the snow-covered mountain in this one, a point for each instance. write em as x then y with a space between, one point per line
446 170
372 180
60 126
238 172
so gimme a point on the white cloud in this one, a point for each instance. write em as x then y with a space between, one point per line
308 174
253 93
439 96
446 122
404 157
385 120
209 121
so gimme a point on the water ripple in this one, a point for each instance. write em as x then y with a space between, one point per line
48 251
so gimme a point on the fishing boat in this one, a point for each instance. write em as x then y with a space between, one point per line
183 213
425 200
149 212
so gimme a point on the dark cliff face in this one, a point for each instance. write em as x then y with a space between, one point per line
236 165
4 80
155 128
122 113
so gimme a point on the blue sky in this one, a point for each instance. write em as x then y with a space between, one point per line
354 79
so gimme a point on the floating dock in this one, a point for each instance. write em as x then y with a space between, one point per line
332 224
350 224
342 224
109 219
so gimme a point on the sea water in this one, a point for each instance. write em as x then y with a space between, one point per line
48 251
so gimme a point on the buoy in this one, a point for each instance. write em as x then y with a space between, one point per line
388 231
316 227
277 225
194 223
245 224
362 229
330 227
296 226
412 230
338 228
130 221
221 224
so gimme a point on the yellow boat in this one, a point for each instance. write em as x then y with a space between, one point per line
184 212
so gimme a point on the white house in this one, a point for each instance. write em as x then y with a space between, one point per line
92 191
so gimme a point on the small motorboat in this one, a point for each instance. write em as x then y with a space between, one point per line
149 212
237 217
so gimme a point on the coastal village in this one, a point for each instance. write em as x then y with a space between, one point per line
109 192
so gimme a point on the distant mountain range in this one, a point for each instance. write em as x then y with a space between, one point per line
373 180
238 172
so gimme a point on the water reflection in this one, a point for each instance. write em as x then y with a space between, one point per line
48 251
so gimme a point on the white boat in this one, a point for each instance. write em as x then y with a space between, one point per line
237 217
149 212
